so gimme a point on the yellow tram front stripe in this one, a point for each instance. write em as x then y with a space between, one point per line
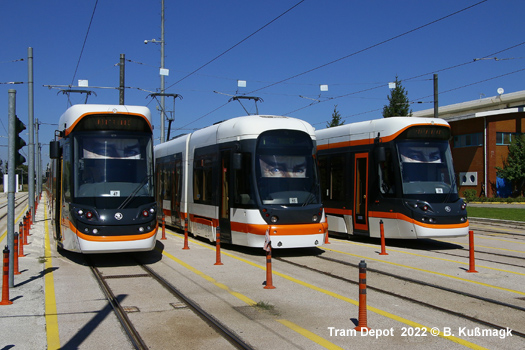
457 340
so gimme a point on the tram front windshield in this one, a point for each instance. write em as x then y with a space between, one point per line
426 168
113 165
286 171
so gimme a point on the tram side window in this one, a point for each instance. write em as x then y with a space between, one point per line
333 182
243 187
386 175
202 181
67 171
167 181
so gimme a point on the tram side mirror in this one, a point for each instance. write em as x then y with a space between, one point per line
54 150
380 154
237 161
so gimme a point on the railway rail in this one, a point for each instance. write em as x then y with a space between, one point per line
142 271
373 273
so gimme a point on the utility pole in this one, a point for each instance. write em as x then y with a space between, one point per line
11 183
122 69
38 164
163 72
162 105
31 146
436 104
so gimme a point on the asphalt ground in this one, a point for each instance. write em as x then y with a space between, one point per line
58 304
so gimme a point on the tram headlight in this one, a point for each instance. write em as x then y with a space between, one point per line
89 215
80 212
274 219
145 213
315 218
463 206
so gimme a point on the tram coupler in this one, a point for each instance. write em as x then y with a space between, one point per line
382 230
361 325
5 279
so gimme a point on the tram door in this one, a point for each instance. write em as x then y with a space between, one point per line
361 192
224 205
176 191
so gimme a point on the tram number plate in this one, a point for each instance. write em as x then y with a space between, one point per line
293 201
114 193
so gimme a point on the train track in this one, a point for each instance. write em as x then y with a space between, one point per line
128 325
374 272
21 199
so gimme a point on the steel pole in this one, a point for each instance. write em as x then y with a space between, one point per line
11 184
31 146
162 83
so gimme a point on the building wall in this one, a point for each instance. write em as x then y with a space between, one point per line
471 159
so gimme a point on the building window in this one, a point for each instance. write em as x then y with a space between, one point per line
505 138
468 140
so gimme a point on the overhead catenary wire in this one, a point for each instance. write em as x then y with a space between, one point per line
85 40
416 77
334 61
372 46
234 46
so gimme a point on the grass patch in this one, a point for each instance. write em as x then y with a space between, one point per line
514 214
264 306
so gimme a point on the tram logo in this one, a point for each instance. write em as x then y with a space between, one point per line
119 216
447 209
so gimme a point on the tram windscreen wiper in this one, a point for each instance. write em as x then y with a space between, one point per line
311 195
134 193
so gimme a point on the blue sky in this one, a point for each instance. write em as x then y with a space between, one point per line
369 43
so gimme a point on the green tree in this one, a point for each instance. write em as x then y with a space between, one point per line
399 104
336 119
513 168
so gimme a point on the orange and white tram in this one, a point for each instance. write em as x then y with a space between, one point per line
101 180
244 176
397 171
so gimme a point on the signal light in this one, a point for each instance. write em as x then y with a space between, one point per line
19 142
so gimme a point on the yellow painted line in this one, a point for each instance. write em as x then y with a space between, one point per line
307 334
16 220
499 239
343 298
427 271
317 339
210 279
53 339
436 258
484 246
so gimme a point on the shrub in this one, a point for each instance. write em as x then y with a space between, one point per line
470 195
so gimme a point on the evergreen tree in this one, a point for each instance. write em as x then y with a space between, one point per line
399 104
336 119
513 168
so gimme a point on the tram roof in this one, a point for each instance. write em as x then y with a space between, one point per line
76 112
367 131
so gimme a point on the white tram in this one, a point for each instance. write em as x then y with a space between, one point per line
244 176
102 180
396 170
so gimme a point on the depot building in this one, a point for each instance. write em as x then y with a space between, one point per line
482 130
